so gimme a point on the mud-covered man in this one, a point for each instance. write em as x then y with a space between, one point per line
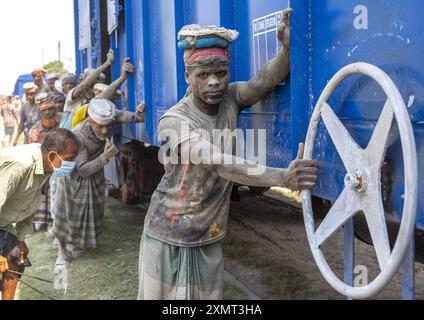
181 248
80 199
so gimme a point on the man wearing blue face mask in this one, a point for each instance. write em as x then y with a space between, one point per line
24 177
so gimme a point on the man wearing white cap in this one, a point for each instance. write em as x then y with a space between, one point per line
80 197
181 248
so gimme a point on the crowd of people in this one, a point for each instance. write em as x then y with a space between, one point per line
72 201
181 246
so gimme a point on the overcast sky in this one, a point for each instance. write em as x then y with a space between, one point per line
29 33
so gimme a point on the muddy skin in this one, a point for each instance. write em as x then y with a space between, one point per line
101 132
48 111
209 80
85 88
110 93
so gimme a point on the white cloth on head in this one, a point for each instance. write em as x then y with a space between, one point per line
102 111
52 76
29 85
196 31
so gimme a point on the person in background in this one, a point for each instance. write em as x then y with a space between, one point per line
51 81
10 119
80 198
29 114
27 87
38 77
49 120
69 82
103 91
17 103
24 176
83 93
49 117
59 100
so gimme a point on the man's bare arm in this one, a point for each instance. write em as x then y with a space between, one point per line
300 175
21 129
110 92
274 72
132 117
91 79
16 117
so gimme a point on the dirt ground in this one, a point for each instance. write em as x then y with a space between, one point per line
279 231
266 257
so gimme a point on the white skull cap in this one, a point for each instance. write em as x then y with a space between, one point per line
102 111
29 86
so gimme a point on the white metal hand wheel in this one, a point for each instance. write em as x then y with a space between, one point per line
362 191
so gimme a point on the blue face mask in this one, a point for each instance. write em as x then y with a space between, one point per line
65 169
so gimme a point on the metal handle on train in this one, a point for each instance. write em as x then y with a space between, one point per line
362 191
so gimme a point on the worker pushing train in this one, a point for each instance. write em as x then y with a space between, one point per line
181 247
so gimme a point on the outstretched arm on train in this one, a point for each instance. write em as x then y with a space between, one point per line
130 117
274 72
109 93
300 175
89 81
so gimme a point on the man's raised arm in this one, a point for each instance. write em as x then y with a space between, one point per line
274 72
92 77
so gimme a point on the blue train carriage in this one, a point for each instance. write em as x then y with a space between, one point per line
19 84
354 95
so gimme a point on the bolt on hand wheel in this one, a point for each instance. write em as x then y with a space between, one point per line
362 191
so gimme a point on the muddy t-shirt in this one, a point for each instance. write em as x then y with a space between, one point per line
190 206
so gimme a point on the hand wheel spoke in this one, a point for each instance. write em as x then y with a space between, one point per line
345 207
376 150
374 214
346 146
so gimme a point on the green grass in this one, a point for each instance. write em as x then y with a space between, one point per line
233 293
284 281
109 273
